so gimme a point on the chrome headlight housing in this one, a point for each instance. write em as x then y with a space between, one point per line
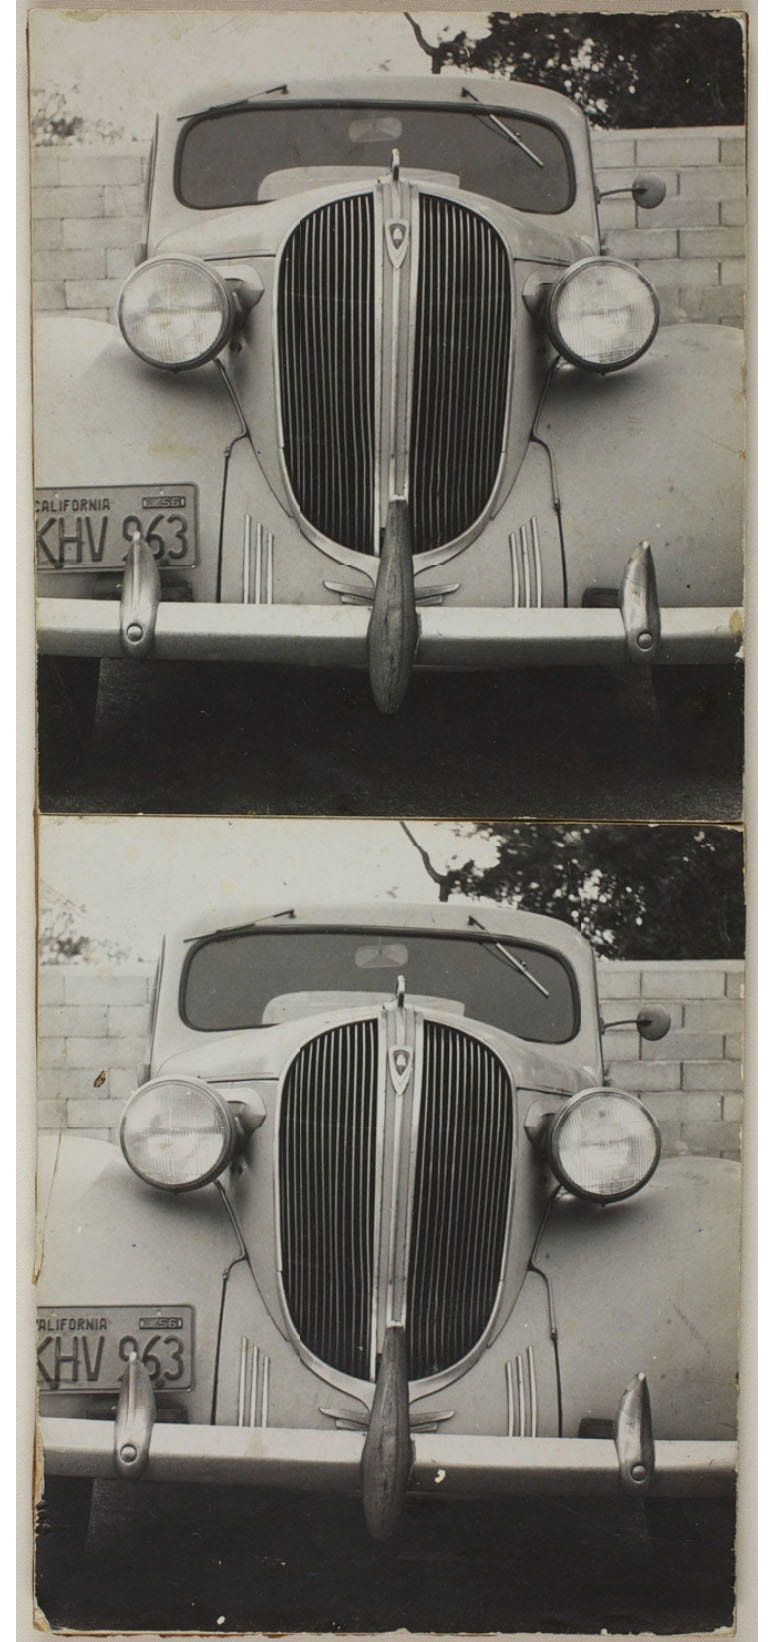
602 314
604 1145
175 312
178 1133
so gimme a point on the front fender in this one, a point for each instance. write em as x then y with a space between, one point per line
106 1239
655 453
651 1284
103 417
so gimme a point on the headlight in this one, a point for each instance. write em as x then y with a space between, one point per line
604 1145
177 1133
602 314
175 312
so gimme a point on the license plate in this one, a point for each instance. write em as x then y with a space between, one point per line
82 1349
91 528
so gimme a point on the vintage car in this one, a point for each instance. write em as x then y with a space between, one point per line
378 1224
367 405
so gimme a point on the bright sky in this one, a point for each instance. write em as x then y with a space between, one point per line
123 66
133 876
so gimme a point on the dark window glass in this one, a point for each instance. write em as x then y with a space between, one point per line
250 979
251 155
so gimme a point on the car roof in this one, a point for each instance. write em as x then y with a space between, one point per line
442 88
451 917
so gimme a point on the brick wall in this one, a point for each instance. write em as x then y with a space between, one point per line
93 1025
87 212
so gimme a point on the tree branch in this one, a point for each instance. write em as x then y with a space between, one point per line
436 53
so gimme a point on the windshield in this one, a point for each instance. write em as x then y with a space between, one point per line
248 155
256 978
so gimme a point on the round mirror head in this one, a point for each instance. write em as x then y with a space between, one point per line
648 190
653 1023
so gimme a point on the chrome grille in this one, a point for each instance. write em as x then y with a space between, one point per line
327 1193
326 360
329 1197
461 1201
460 373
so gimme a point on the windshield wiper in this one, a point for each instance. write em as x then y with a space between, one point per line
509 957
242 929
240 102
493 119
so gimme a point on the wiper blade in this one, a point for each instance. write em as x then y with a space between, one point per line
241 929
509 957
493 119
240 102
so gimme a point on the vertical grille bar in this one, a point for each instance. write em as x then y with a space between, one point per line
460 371
327 1134
326 361
461 1201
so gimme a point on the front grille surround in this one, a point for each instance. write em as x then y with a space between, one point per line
453 1193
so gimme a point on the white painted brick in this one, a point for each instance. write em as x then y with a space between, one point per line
622 1008
91 293
643 242
710 1075
50 1052
672 1144
622 1044
120 262
68 202
639 1078
732 151
100 1054
77 168
682 1045
734 1046
48 296
122 202
704 271
680 212
672 308
106 314
721 306
732 212
712 1139
63 1085
95 1134
674 148
44 167
51 984
81 1113
72 1020
128 1019
734 983
720 182
733 1108
733 271
617 214
720 1015
618 980
612 150
677 1106
69 264
52 1114
683 983
47 234
80 232
89 986
712 242
122 1082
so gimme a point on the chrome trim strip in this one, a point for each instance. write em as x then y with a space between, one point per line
532 1404
257 1361
515 570
525 567
537 553
242 1379
510 1372
521 1396
270 566
265 1393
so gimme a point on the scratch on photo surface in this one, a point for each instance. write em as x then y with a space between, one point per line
40 1235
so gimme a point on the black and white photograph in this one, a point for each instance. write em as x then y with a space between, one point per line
388 1225
389 411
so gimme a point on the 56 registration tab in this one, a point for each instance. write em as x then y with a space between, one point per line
91 528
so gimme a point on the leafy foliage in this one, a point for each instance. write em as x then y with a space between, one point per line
623 68
637 892
53 122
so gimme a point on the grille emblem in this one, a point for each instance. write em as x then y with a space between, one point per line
400 1063
397 238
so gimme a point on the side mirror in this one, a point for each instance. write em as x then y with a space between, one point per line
653 1023
648 190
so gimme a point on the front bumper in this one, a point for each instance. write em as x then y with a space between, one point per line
331 1461
336 635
